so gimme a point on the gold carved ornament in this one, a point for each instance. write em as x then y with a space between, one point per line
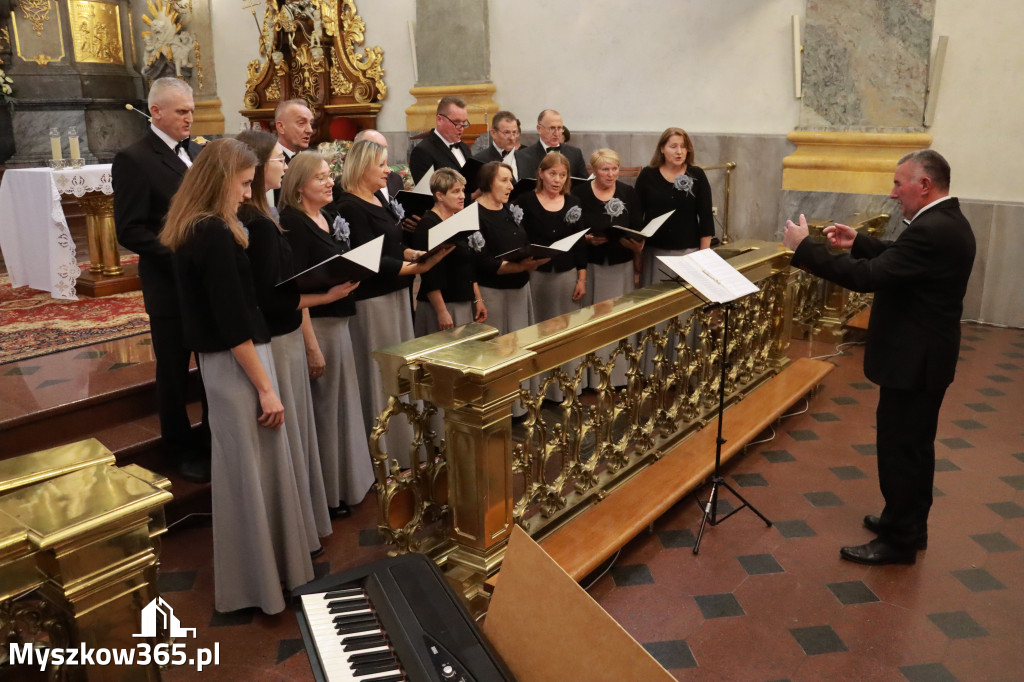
353 36
96 32
37 11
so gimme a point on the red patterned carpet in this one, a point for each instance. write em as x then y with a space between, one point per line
33 324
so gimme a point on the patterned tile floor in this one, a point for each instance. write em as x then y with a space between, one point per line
763 603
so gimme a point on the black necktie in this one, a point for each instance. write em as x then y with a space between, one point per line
505 152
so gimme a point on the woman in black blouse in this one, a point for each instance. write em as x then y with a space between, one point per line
259 534
449 295
383 310
329 358
671 181
285 312
606 202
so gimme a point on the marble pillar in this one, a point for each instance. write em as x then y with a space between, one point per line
443 68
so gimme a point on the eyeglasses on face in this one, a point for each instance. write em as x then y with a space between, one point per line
461 125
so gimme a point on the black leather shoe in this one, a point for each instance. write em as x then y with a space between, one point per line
874 524
877 553
340 512
194 470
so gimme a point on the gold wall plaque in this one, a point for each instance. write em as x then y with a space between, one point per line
27 43
96 32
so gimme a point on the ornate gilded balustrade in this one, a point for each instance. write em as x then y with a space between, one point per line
821 308
477 472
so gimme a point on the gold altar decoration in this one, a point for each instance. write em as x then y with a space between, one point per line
469 483
845 162
821 308
96 31
38 12
309 49
79 551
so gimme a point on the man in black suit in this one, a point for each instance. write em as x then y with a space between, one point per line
549 128
293 123
504 136
145 176
919 281
443 147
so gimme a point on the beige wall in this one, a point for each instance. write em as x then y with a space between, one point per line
711 67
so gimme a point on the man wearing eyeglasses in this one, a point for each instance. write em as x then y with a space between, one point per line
443 147
504 141
549 128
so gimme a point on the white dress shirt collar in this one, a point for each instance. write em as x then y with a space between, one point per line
925 208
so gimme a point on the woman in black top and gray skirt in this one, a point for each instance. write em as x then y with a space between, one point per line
449 295
329 358
606 202
383 309
259 536
671 181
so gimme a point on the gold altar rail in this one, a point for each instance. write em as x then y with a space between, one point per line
728 167
821 308
463 493
79 551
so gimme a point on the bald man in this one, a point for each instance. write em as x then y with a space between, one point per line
549 130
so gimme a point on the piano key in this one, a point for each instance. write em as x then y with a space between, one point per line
359 659
347 592
375 667
363 645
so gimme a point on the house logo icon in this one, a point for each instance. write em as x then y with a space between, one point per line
158 615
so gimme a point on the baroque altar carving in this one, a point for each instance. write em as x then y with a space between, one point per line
312 50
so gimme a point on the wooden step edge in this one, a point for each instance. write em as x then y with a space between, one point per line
580 546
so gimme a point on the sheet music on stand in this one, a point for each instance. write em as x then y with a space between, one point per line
711 275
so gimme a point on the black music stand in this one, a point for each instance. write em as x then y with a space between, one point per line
717 480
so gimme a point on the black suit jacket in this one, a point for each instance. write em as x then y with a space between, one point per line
528 160
919 281
432 151
145 175
395 185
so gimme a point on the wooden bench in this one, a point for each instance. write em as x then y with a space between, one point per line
581 545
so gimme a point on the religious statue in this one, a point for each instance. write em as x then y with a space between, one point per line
169 49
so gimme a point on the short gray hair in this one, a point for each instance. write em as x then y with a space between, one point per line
932 164
161 87
283 106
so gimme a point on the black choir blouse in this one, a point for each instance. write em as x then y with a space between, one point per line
692 219
597 219
367 222
454 274
270 256
219 308
501 234
545 227
311 245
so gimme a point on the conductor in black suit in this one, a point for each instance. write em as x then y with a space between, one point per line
145 176
549 128
443 147
919 281
504 138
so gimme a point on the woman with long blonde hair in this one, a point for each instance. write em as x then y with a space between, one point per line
259 538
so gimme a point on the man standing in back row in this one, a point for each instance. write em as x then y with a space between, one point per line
145 176
919 281
443 146
549 128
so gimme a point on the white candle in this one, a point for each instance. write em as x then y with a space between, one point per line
75 151
55 148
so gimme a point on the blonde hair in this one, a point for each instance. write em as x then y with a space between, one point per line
360 157
203 193
604 155
658 160
552 159
301 168
444 179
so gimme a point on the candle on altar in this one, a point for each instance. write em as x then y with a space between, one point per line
55 151
76 153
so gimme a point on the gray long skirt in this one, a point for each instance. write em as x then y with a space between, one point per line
509 310
344 454
426 318
380 322
652 274
552 296
289 353
605 282
259 538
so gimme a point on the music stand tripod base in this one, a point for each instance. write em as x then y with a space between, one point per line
717 480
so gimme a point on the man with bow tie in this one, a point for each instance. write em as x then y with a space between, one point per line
549 128
504 139
443 146
145 176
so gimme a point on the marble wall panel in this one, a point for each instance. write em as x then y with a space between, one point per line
865 64
438 25
1002 293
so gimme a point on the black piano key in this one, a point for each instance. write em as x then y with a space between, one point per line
400 677
378 667
359 639
349 629
357 659
355 606
346 602
359 646
345 618
347 592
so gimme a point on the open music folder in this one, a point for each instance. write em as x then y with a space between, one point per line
418 200
540 251
466 220
710 275
649 229
351 266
